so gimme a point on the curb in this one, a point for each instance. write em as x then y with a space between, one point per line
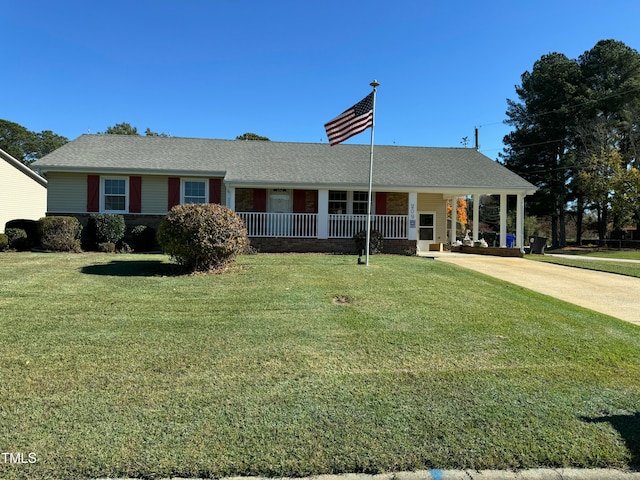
532 474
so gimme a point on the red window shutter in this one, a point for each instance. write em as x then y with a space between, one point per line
215 190
299 201
381 203
93 193
259 200
315 201
135 194
174 192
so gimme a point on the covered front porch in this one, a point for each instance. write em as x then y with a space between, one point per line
327 219
310 225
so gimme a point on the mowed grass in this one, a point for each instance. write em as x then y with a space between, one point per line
292 365
592 262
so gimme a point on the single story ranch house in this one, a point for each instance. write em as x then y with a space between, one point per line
300 197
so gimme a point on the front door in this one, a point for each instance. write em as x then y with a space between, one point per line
426 230
279 209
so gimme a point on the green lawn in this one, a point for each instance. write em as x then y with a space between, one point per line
293 365
622 268
619 254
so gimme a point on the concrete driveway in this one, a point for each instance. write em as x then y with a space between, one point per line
608 293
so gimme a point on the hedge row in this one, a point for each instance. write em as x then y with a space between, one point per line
104 233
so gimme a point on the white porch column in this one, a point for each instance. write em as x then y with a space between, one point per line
520 223
412 230
454 219
503 219
231 197
476 217
323 213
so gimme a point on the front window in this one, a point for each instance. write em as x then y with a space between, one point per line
343 203
195 191
360 200
114 195
337 202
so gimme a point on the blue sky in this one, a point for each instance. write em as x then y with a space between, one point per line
282 68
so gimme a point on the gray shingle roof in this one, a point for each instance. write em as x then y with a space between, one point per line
286 164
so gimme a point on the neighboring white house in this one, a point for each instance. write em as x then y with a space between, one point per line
23 193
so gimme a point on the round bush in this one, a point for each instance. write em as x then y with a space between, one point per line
104 228
144 238
17 238
60 234
30 227
107 247
202 237
375 241
4 242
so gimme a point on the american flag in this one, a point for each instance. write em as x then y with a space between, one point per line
352 121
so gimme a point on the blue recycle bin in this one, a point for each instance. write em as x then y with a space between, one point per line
511 240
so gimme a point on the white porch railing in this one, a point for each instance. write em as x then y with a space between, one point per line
305 225
346 226
294 225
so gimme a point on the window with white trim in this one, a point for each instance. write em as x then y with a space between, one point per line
195 191
343 203
360 202
337 202
115 195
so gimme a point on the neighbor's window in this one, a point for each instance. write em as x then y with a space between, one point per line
195 191
337 202
114 195
360 200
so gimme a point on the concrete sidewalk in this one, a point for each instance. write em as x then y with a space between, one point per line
533 474
608 293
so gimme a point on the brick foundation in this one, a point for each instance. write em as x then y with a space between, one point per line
329 245
272 244
130 220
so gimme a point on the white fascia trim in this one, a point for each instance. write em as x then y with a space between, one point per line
134 171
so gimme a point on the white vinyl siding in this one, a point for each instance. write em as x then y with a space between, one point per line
21 197
67 192
155 195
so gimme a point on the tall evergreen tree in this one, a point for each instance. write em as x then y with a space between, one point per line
539 147
572 121
609 128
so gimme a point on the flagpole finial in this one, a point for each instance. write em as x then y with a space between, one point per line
374 84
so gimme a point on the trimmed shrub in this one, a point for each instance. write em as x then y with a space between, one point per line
30 227
4 242
202 237
144 238
60 234
107 247
104 228
17 238
375 241
124 248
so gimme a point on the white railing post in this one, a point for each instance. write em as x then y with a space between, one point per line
309 225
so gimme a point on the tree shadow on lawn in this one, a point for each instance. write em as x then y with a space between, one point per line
628 426
137 268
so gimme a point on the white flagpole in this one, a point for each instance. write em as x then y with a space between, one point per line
374 84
